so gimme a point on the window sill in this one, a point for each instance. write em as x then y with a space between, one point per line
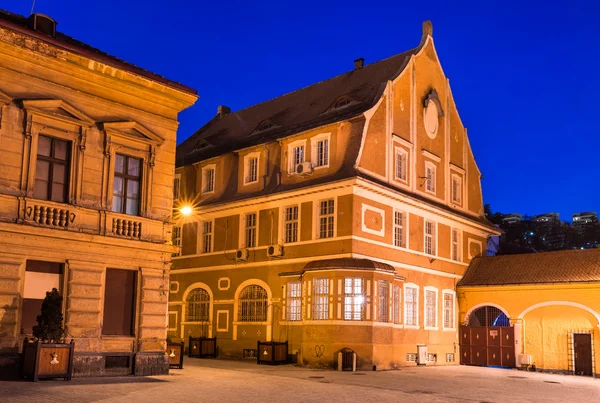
207 193
412 327
316 168
250 183
431 328
252 323
449 329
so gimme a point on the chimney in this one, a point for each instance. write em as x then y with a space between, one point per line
223 110
359 63
42 23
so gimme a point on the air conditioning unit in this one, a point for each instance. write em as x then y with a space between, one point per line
421 354
525 359
304 168
275 251
241 255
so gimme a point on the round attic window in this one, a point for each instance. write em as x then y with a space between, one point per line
431 119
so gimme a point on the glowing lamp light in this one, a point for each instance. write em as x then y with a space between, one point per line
186 210
359 299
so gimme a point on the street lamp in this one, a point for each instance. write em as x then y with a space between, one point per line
186 211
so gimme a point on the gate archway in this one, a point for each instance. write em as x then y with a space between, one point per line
487 339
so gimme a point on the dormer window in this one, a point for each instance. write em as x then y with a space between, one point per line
341 102
266 125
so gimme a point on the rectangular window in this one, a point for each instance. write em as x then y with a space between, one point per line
119 302
326 219
353 299
126 186
208 180
322 150
429 237
401 165
399 229
297 157
52 169
176 237
40 277
430 178
456 189
207 235
448 311
396 305
250 230
290 220
294 301
251 170
176 188
411 306
430 308
455 245
320 299
383 295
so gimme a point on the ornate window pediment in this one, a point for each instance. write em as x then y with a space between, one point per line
133 131
56 113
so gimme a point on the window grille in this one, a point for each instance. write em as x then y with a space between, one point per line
399 228
488 316
430 308
449 311
197 306
320 299
250 230
455 245
209 180
411 357
291 224
431 357
430 237
252 304
383 294
354 299
207 233
176 237
126 185
401 165
396 305
322 153
294 301
449 357
410 306
430 178
252 169
326 219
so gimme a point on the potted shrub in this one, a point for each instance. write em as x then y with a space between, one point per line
48 356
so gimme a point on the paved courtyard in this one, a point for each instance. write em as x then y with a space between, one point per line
232 381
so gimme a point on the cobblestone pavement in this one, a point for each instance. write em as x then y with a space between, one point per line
233 381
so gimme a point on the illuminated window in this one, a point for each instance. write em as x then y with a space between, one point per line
326 219
294 301
320 299
354 299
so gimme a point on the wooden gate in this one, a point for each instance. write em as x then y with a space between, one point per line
487 346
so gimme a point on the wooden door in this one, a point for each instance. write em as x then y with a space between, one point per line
583 354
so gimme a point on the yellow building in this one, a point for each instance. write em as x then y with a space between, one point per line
341 215
87 155
548 304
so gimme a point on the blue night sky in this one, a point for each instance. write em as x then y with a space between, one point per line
525 77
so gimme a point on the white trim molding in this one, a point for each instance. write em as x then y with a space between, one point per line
435 308
416 302
313 150
454 318
219 327
475 307
564 303
367 207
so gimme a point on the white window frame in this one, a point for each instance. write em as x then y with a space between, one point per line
284 222
352 297
426 325
397 304
430 180
453 313
177 187
177 241
456 197
455 256
416 306
400 229
242 232
291 154
205 170
204 235
320 298
433 236
383 302
248 158
314 155
403 154
317 210
293 300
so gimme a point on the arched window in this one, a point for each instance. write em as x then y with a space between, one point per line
252 304
197 306
488 316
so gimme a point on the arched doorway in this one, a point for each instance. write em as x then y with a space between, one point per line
487 339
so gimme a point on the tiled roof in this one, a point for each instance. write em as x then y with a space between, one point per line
294 112
20 23
567 266
348 263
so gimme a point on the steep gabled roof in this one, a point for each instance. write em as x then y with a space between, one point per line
294 112
566 266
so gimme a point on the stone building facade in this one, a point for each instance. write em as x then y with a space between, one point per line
87 153
341 215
